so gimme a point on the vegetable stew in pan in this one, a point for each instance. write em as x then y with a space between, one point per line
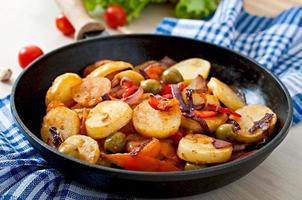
157 116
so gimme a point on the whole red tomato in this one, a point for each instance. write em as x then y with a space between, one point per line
64 25
115 16
28 54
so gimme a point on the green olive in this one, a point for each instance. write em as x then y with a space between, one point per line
115 143
151 86
172 76
225 132
191 166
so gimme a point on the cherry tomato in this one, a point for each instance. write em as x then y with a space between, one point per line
64 25
115 16
28 54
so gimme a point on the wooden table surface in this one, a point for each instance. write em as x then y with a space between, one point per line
279 177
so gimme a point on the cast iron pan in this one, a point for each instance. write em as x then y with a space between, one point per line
260 86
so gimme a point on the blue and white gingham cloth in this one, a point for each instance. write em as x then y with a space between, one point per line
274 42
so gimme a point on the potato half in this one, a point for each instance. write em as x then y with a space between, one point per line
200 149
191 68
82 147
249 115
107 117
225 94
66 121
154 123
61 88
109 68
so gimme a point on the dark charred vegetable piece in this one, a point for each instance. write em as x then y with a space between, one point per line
189 97
234 123
219 144
139 148
106 97
57 140
167 61
144 74
203 124
176 94
198 84
263 123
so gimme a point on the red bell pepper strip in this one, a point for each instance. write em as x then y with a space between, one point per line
204 113
223 110
140 163
162 104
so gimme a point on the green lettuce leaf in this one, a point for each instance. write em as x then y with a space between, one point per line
195 9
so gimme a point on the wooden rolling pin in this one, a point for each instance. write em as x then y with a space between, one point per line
77 15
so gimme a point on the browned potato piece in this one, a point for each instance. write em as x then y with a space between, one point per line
66 121
90 91
107 117
225 94
95 65
153 123
61 88
250 114
200 149
212 122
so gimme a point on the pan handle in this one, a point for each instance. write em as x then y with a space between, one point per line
77 15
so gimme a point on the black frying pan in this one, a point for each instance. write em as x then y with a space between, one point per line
260 86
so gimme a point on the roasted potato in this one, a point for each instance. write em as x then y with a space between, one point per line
61 88
201 149
90 91
133 75
81 147
66 121
154 123
191 68
109 68
107 117
94 66
225 94
212 122
249 115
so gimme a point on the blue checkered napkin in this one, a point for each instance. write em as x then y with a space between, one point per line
276 43
24 174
